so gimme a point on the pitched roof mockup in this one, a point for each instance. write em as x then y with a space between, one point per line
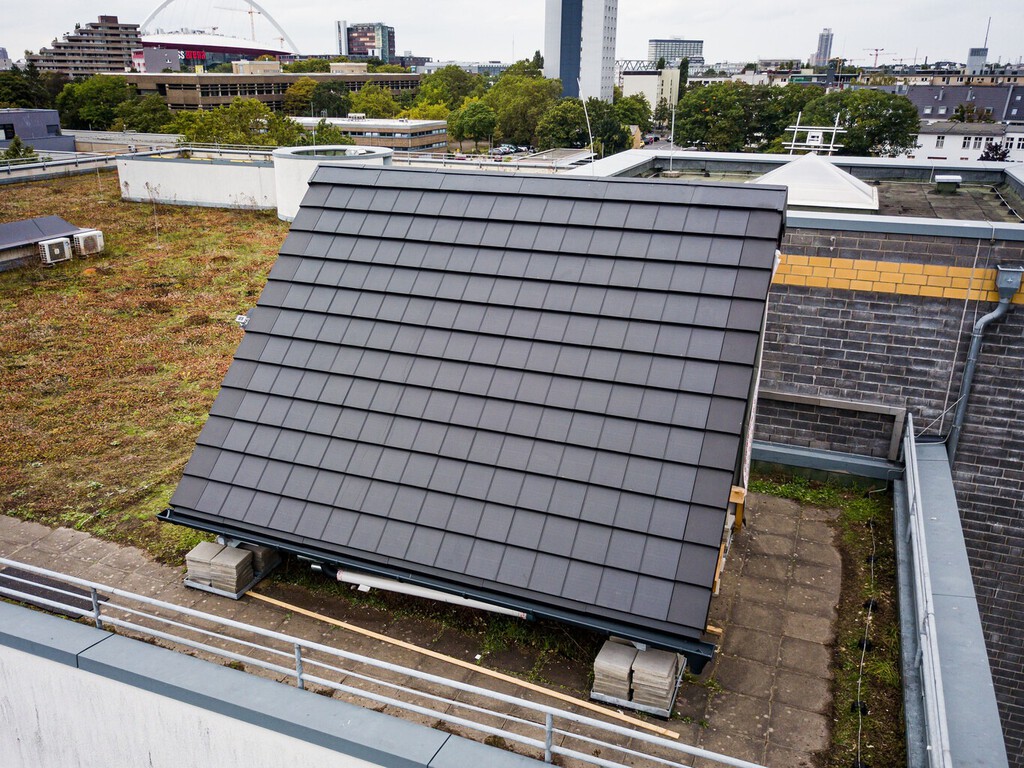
527 389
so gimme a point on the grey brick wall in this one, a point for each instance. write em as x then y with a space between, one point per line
909 351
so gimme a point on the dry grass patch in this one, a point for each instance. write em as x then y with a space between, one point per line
109 365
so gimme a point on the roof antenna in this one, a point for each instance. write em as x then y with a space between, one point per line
590 133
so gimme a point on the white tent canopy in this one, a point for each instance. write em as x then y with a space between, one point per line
816 183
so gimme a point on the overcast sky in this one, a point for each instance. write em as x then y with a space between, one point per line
741 30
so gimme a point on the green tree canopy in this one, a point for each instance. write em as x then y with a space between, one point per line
299 97
426 112
714 117
450 86
19 89
877 124
520 101
307 65
563 125
476 121
968 113
634 110
93 102
374 101
772 109
325 133
18 150
331 97
610 135
243 121
148 114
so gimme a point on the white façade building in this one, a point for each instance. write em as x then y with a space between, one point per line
579 46
947 140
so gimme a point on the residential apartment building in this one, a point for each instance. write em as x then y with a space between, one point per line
366 40
945 140
184 91
655 85
674 49
824 50
999 103
579 46
102 46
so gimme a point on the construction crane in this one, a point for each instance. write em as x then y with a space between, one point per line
877 51
252 17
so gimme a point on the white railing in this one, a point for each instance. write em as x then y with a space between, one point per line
297 659
927 656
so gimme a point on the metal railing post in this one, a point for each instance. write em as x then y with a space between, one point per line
298 667
96 608
549 722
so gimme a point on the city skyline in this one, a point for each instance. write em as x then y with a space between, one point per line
942 31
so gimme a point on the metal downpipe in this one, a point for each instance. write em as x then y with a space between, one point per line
1008 280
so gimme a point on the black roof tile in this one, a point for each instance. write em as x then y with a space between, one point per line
529 386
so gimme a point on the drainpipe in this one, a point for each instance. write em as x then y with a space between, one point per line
1007 283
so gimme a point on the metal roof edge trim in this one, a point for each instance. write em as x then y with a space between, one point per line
693 647
901 225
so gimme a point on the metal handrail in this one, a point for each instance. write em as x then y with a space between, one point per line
105 613
927 662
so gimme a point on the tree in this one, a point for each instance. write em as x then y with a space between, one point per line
610 135
374 101
661 63
148 114
995 151
19 89
307 65
714 117
663 112
93 103
772 110
563 125
426 112
325 133
17 150
634 110
877 124
243 121
331 97
520 101
537 62
298 98
477 121
450 86
968 113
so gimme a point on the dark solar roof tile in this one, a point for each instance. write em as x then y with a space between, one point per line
503 382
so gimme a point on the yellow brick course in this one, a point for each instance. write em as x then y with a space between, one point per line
889 277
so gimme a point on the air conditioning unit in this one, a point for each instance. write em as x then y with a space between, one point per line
88 243
55 250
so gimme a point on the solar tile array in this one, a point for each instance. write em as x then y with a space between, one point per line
527 388
28 231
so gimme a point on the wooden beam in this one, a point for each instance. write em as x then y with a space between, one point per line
635 722
738 496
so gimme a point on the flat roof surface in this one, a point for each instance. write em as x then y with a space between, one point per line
527 389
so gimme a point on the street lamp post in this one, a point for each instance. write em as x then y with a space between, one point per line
672 138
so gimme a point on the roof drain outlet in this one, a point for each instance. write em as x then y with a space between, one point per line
1008 281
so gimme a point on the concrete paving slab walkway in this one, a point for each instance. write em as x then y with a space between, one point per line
764 698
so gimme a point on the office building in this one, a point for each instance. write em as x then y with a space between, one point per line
655 85
674 49
103 46
367 40
824 52
579 46
5 62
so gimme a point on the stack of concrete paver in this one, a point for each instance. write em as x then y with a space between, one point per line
612 670
263 558
654 679
231 569
199 560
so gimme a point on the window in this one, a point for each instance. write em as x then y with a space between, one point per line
927 110
7 129
977 142
967 143
940 142
942 110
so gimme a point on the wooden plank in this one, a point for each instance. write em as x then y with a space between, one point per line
635 722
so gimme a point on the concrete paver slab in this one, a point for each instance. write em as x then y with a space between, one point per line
804 691
799 729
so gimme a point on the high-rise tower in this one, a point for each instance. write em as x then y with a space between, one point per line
824 52
579 46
